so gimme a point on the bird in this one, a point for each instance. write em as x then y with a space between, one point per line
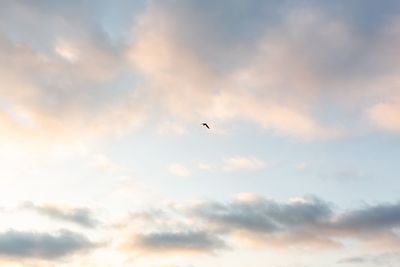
206 125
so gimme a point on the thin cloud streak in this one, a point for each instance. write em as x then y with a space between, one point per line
80 216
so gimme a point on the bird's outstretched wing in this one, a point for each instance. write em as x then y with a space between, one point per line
205 124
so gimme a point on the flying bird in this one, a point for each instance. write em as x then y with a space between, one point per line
205 124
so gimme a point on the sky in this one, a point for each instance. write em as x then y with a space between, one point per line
104 161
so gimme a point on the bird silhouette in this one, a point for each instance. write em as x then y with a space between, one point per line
205 124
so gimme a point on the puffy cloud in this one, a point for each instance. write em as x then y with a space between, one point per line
285 67
44 246
191 85
60 82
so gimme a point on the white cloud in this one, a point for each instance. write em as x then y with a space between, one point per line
179 170
67 51
243 163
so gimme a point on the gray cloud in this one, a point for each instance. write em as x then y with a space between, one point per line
354 260
382 217
300 222
265 215
384 259
314 217
35 245
178 241
81 216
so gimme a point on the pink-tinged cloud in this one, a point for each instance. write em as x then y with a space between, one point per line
386 116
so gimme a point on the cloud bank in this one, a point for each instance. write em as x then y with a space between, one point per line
256 221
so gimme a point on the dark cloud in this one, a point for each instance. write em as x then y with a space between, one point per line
382 217
265 215
35 245
307 221
179 241
81 216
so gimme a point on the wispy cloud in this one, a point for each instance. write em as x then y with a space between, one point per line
80 216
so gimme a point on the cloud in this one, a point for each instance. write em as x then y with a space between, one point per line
285 67
371 219
191 85
242 163
59 81
386 116
354 260
177 242
171 128
204 166
179 170
384 259
260 215
103 163
33 245
80 216
232 164
249 219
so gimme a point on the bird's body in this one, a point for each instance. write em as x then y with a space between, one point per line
206 125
